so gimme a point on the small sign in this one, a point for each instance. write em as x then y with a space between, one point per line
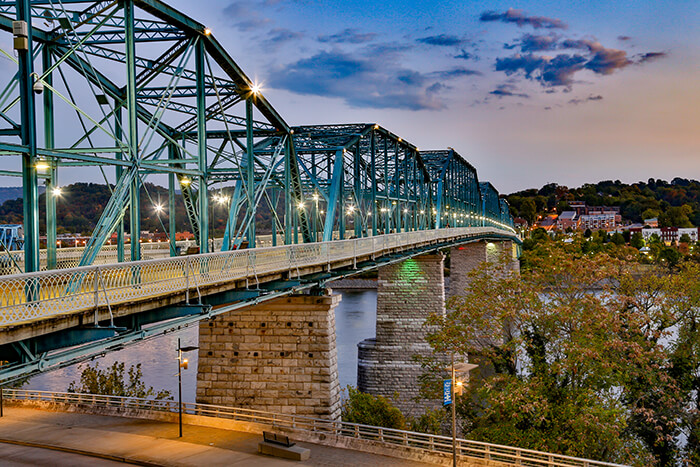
447 392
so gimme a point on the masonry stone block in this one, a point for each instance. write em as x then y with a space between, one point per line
407 293
276 356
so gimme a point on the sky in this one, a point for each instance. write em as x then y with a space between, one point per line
530 93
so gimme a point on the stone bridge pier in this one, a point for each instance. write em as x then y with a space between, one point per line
278 356
407 293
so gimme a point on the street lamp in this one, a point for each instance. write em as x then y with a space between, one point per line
457 368
181 363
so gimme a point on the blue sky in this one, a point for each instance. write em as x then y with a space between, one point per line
530 93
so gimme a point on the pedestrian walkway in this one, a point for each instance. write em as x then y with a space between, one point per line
147 442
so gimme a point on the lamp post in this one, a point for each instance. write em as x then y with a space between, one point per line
181 363
458 368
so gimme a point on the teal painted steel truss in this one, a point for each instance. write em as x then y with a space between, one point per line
138 89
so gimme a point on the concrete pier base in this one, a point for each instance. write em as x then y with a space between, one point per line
407 293
278 356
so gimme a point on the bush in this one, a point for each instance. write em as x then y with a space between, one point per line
367 409
111 382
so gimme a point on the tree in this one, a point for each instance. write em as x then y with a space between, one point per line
685 238
637 240
111 382
618 239
587 233
366 409
575 372
676 216
528 211
650 214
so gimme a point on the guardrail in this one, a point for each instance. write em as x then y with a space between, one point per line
50 293
69 257
423 441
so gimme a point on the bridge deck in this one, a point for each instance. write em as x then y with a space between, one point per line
26 299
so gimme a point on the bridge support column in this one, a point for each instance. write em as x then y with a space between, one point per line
278 356
466 258
407 293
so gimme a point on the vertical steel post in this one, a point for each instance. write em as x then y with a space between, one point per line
172 227
28 135
202 148
179 385
274 216
454 415
373 180
288 198
119 169
250 169
135 191
49 142
357 188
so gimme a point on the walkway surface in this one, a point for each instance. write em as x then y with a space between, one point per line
25 435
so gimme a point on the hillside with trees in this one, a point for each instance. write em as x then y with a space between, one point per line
80 205
675 203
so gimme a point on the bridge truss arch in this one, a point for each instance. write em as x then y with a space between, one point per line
136 89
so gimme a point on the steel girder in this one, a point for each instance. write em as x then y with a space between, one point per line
174 68
153 92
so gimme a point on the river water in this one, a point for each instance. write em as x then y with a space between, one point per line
355 319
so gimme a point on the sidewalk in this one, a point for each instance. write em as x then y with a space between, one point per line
146 442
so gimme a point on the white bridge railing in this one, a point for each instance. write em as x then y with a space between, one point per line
38 295
424 441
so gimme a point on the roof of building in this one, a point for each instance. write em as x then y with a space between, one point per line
567 215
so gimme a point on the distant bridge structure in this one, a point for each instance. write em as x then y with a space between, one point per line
135 89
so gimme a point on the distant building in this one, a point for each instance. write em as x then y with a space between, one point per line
579 207
603 221
568 219
669 235
549 222
653 222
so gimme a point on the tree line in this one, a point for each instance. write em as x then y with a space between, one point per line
675 204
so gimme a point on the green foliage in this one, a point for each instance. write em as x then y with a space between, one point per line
675 204
685 238
637 240
367 409
434 421
618 239
81 204
111 381
610 375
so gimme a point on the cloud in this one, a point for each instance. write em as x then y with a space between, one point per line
244 17
457 73
590 98
442 40
557 71
604 61
507 90
624 38
650 57
464 55
521 18
280 36
361 79
535 43
348 36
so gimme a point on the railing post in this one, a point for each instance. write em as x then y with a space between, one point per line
187 280
96 284
354 254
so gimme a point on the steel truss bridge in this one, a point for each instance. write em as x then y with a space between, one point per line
133 89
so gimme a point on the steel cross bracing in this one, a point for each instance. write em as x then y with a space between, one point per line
140 90
78 313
